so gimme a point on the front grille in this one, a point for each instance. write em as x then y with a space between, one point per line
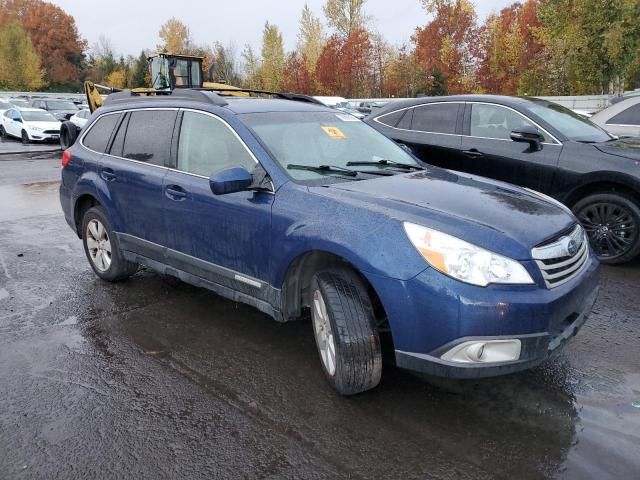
563 258
52 132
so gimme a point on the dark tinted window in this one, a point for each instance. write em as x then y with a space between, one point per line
391 119
436 118
118 140
630 116
207 146
100 133
148 136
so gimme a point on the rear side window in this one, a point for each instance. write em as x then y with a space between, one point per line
391 119
98 137
148 137
630 116
436 118
208 146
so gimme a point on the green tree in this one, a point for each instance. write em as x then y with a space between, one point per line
140 77
20 66
273 58
251 68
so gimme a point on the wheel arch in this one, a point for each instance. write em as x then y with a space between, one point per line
296 295
605 182
83 203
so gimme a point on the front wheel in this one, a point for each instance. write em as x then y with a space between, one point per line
3 133
25 137
345 331
612 222
101 247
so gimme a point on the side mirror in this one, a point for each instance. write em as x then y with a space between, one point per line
528 134
231 180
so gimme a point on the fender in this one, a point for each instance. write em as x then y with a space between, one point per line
90 183
604 177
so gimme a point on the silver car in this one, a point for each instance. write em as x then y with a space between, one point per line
621 119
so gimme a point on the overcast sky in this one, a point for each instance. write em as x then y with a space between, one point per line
133 25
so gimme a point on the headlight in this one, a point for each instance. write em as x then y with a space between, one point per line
36 129
464 261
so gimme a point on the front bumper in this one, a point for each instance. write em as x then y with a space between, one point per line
432 313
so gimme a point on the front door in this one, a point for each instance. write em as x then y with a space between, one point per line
222 238
490 152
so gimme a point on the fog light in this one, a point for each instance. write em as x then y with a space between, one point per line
485 351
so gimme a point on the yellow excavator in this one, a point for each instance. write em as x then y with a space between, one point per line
168 72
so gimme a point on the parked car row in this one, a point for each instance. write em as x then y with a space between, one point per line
39 121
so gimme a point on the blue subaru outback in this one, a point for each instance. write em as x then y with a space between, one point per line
294 207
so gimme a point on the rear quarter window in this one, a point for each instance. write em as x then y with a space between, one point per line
98 136
391 119
630 116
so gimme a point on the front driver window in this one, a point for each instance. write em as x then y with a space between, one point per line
493 121
207 146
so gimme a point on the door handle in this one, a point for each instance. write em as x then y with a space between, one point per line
473 153
175 192
108 174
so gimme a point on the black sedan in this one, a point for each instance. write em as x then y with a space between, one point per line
535 144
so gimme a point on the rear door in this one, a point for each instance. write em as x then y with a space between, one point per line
133 172
490 152
223 238
432 132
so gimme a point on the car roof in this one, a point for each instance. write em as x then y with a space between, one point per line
393 105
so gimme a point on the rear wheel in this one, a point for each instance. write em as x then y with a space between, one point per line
101 247
612 222
345 331
24 137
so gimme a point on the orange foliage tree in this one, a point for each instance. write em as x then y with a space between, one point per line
54 36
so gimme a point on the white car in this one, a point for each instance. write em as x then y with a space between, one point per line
30 125
622 118
80 119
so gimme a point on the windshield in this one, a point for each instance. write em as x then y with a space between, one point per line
61 105
5 106
570 124
19 103
322 138
38 117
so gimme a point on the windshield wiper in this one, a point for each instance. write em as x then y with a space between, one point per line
324 169
390 163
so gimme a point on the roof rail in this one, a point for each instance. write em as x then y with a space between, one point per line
283 95
186 93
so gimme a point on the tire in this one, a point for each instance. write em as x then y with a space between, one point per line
24 137
343 320
101 247
68 134
612 222
3 133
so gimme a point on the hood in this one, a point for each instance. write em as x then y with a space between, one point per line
494 215
63 113
626 147
45 125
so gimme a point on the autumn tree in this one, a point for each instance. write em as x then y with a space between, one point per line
20 67
297 77
53 34
175 37
346 16
273 58
448 45
223 66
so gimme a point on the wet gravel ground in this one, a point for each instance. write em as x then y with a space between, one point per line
153 378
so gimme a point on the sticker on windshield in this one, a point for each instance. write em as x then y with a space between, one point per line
334 132
345 117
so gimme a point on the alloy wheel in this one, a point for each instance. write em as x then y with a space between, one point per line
99 245
324 334
611 228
